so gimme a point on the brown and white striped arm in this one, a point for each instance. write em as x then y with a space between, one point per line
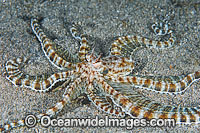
128 43
18 78
173 87
118 65
102 103
50 112
131 42
138 106
47 47
84 48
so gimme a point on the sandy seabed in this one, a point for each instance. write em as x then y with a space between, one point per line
102 21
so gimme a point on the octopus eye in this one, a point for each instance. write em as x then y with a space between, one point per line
105 71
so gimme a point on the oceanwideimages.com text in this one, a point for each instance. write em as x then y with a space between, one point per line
46 121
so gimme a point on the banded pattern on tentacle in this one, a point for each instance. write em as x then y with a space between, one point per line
129 43
156 27
18 78
84 48
67 97
50 112
138 106
101 103
174 87
47 47
118 65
